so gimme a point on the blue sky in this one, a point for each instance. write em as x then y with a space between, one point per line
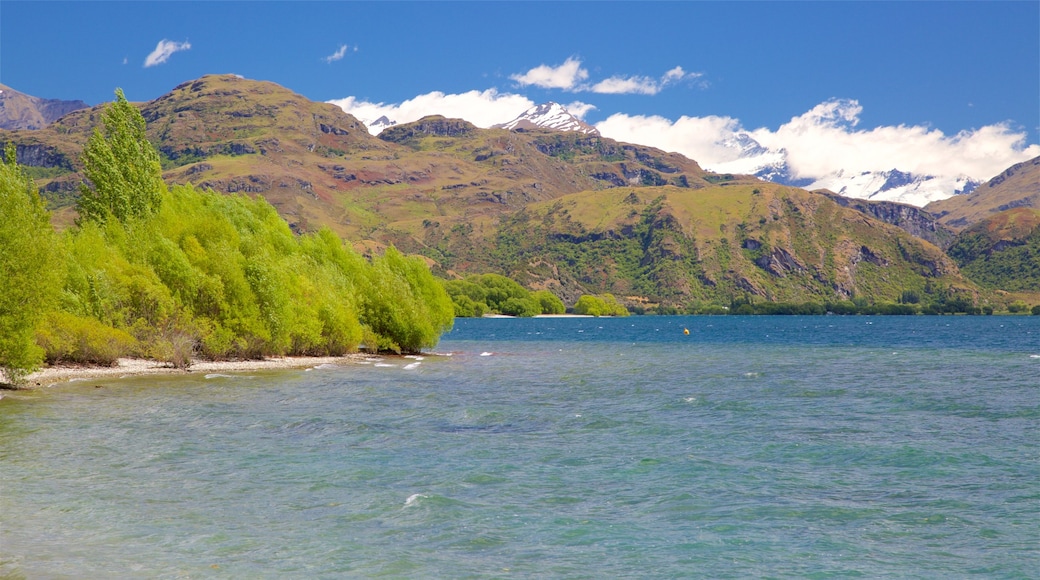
965 75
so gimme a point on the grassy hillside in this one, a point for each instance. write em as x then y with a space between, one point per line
1002 251
674 246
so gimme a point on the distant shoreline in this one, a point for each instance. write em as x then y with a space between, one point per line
130 367
539 316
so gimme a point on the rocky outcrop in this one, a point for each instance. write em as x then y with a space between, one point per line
31 155
435 125
913 220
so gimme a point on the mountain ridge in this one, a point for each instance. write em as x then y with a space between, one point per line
21 111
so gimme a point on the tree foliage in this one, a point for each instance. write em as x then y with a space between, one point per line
29 269
481 294
122 166
599 305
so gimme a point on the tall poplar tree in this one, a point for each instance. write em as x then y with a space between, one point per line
122 166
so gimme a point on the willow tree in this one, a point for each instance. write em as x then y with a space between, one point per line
30 269
122 167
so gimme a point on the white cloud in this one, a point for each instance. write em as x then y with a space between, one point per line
567 76
827 138
482 108
578 109
627 86
695 137
164 50
570 76
642 85
675 75
338 55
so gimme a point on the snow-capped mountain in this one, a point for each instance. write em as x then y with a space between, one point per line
548 116
375 127
895 185
751 158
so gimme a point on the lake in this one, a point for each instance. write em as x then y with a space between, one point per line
769 446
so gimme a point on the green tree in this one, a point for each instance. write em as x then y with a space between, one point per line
30 269
122 167
549 302
599 305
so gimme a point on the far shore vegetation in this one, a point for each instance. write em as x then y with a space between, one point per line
175 273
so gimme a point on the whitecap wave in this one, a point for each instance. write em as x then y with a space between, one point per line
485 353
219 376
384 365
414 498
412 366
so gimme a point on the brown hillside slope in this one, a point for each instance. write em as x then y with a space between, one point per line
1018 186
21 111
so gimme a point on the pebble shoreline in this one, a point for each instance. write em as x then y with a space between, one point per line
127 367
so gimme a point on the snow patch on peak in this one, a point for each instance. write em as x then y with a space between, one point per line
549 116
746 156
377 126
895 185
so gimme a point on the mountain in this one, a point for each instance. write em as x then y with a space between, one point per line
1002 251
1017 186
895 185
574 212
666 245
548 116
379 124
21 111
749 157
911 219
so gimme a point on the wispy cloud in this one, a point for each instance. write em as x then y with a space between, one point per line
827 138
163 51
571 76
568 76
338 55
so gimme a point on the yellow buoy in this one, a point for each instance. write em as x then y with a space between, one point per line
686 331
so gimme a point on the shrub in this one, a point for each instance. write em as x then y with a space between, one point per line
69 338
1017 306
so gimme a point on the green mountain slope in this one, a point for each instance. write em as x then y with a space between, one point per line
673 246
1002 251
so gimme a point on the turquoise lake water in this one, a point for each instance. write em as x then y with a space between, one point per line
785 447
